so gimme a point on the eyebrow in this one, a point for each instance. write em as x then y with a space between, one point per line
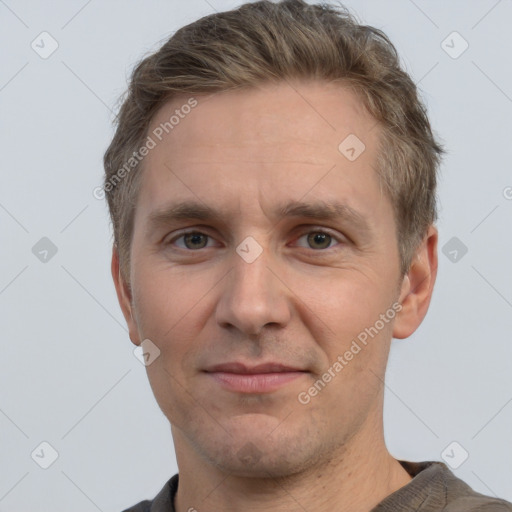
184 210
317 210
325 211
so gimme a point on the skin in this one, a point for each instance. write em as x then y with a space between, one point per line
300 303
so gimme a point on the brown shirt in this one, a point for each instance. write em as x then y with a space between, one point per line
433 488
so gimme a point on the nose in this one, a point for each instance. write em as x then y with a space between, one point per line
253 297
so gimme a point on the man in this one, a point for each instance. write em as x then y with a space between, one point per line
272 189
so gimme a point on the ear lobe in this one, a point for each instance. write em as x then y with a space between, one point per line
124 296
417 286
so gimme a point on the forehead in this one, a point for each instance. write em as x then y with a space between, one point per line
271 141
312 114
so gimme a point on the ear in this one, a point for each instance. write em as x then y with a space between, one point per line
417 286
124 296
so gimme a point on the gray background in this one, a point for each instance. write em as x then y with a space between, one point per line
68 375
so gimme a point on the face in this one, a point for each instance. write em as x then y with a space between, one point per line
261 253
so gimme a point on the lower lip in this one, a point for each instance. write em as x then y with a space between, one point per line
254 383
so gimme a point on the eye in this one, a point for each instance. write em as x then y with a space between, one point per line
317 240
193 240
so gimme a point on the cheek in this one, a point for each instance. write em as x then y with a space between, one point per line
169 313
346 323
344 305
345 320
165 301
173 309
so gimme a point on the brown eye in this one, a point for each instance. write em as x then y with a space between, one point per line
194 240
319 240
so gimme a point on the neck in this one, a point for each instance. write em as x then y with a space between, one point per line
356 478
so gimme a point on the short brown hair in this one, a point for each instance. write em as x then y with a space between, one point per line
265 41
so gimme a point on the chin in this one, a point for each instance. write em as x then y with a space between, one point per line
261 447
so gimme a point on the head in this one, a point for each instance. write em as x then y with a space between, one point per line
271 185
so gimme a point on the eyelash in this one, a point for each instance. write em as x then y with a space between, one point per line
323 231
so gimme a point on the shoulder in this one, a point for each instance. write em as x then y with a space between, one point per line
476 502
163 502
143 506
456 495
434 488
461 497
479 504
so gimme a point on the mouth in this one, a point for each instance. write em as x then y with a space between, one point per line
263 378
